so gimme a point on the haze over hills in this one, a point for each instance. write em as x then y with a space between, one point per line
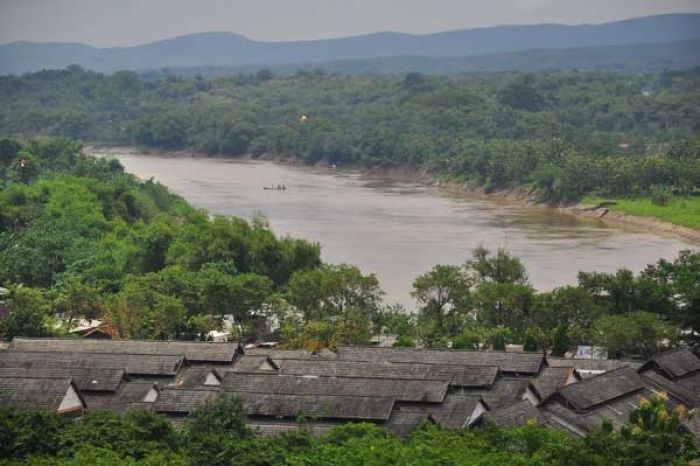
634 58
224 49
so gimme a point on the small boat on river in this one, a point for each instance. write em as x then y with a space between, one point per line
279 187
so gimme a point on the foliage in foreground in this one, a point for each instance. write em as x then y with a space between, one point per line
216 434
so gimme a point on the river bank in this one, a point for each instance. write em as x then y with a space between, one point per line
518 196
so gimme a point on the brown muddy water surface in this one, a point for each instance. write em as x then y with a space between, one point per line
399 230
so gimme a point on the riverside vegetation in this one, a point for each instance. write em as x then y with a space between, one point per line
563 134
79 238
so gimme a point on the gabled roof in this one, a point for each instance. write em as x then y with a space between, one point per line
403 422
362 408
137 364
591 364
197 376
195 351
276 353
506 391
515 363
86 379
26 393
428 391
254 364
454 413
182 401
550 380
686 390
602 388
129 395
463 376
675 364
515 415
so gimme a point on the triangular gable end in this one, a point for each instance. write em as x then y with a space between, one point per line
72 401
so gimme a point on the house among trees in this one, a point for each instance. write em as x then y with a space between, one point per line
398 388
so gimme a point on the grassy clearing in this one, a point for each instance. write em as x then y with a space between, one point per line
683 211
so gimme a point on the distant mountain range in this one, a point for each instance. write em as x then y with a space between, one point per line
635 58
547 46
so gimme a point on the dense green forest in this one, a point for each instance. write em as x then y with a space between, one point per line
216 434
79 238
564 133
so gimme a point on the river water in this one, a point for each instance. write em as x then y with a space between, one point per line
399 230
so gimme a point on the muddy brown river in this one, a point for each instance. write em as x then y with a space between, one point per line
399 230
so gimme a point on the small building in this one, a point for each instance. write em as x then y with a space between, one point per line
60 395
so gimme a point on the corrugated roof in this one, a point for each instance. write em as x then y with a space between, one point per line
25 393
457 375
86 379
602 388
429 391
195 351
139 364
678 363
521 363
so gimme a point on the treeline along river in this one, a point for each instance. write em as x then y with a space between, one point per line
399 230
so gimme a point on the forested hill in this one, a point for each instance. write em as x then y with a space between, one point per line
567 134
229 49
634 58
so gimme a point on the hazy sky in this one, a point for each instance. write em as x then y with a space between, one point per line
129 22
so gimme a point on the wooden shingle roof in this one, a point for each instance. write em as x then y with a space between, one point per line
520 363
506 391
602 388
129 396
676 364
550 380
592 364
359 408
254 363
86 379
454 413
26 393
137 364
462 376
194 351
276 354
427 391
515 415
182 401
403 422
683 390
